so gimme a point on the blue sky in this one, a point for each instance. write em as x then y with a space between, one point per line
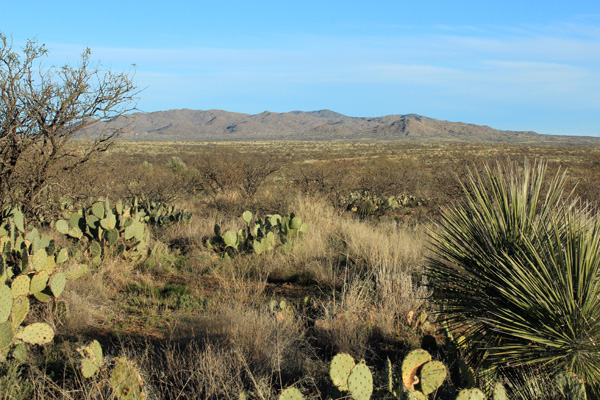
519 65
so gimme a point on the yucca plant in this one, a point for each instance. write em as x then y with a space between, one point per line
516 272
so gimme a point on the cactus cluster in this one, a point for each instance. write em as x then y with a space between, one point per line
156 213
365 203
418 369
29 269
348 376
259 234
119 230
125 379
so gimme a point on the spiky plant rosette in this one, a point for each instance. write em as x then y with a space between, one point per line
516 272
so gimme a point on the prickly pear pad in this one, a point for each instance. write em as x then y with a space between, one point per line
20 286
6 335
412 362
433 375
37 333
6 300
471 394
360 382
291 393
339 370
126 381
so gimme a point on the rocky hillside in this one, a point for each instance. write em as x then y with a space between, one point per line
212 125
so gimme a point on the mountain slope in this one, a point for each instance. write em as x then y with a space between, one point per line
299 125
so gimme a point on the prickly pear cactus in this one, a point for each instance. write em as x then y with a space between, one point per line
258 236
37 333
360 382
6 335
471 394
339 370
411 363
91 359
500 392
125 380
121 230
30 270
6 301
291 393
433 375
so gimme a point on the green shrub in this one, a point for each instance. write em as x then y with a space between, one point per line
516 271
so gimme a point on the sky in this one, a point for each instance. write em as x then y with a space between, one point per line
513 65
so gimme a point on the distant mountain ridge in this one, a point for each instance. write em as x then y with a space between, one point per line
219 125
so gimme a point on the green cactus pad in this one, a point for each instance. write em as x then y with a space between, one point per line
75 233
360 382
57 283
470 394
247 217
414 395
291 393
38 282
433 375
42 297
303 228
92 358
39 259
37 333
339 370
62 256
135 230
231 239
295 223
411 363
274 219
95 249
19 311
20 353
467 375
6 301
75 271
20 286
50 264
500 392
6 335
76 221
19 220
126 381
98 210
62 226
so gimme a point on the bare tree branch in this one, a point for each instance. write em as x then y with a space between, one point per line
43 109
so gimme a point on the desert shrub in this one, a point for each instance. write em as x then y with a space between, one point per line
517 273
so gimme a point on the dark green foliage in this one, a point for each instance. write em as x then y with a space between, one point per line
516 271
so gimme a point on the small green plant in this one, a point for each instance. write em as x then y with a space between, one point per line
259 235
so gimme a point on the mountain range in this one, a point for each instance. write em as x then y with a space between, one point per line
218 125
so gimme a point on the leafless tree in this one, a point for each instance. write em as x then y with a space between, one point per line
43 109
